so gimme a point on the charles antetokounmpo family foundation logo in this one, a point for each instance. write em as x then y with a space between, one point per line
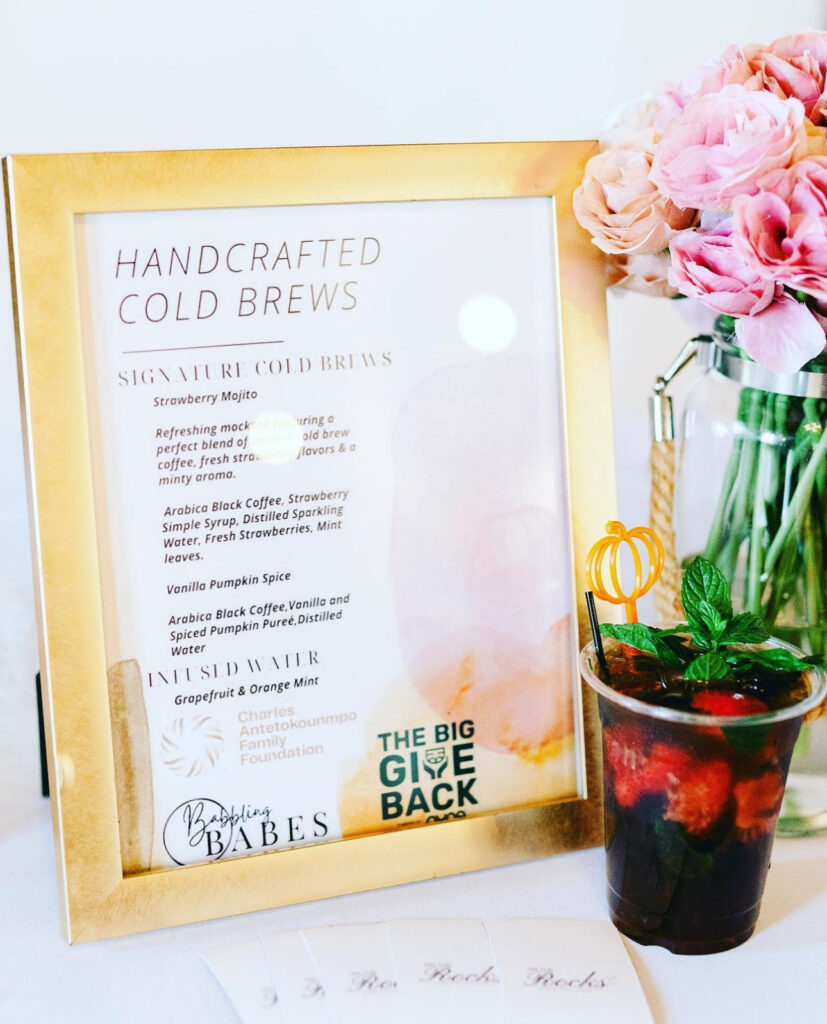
202 829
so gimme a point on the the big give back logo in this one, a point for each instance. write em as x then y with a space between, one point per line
428 770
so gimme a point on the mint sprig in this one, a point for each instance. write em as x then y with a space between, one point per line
714 630
710 667
705 591
643 638
745 628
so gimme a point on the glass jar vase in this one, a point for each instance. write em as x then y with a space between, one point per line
751 496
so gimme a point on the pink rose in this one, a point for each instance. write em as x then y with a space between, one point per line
644 274
782 231
620 207
796 66
706 266
802 46
782 337
731 67
723 143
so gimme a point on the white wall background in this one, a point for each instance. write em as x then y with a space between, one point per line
119 74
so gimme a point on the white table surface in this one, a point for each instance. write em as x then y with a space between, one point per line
780 975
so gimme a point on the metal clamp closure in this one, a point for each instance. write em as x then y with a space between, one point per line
661 414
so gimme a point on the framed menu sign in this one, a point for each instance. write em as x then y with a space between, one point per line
317 439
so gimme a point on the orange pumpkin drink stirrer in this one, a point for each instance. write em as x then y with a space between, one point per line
641 542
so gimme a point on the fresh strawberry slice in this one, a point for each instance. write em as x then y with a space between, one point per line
729 704
625 747
667 766
628 789
758 802
698 800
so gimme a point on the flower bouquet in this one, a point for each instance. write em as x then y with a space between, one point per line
714 188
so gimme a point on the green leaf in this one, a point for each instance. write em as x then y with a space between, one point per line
724 327
714 623
703 587
677 646
741 661
642 638
682 627
776 658
746 739
677 854
745 628
671 845
708 668
701 636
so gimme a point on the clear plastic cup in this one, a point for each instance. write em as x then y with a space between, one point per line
690 807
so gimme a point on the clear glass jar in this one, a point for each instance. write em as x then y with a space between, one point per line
751 495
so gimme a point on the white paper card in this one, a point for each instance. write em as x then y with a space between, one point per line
513 971
243 972
295 978
356 964
573 971
446 973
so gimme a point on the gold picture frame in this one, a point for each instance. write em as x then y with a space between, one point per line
44 194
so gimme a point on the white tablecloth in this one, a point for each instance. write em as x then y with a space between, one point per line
779 975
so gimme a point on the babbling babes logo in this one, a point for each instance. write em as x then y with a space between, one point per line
204 830
428 770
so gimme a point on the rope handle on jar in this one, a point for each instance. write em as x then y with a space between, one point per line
662 466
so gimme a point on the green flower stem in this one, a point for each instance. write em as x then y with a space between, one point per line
720 519
794 512
777 493
816 571
727 557
788 569
771 515
780 417
820 523
767 462
812 581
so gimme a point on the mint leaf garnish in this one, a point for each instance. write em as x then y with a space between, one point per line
712 655
714 622
746 741
677 645
776 658
682 627
704 586
642 638
708 668
745 628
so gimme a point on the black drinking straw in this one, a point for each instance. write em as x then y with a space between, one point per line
598 640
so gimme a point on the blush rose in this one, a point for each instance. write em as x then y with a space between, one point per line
620 206
646 274
795 66
724 143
